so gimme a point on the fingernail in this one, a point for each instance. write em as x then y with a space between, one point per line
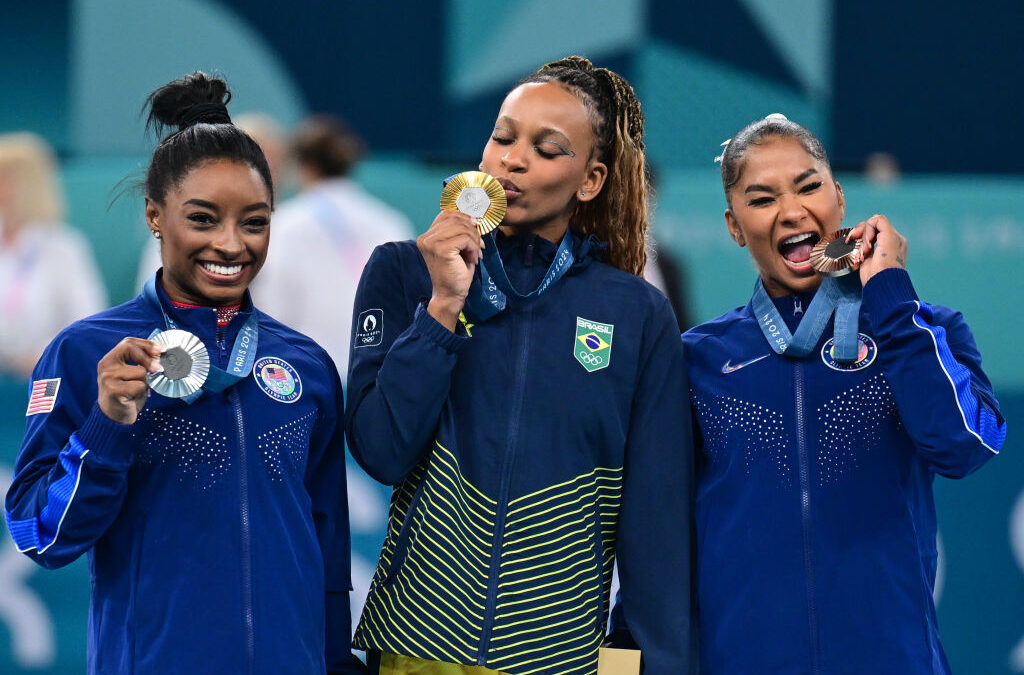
155 367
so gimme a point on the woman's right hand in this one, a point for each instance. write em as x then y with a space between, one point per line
451 248
121 378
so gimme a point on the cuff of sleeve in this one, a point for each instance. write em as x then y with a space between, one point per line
438 334
889 288
106 440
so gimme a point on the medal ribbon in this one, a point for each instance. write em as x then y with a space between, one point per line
243 353
838 295
489 294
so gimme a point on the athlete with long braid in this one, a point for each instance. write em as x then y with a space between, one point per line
535 434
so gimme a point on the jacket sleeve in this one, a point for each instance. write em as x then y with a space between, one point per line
398 381
932 364
655 527
70 476
326 485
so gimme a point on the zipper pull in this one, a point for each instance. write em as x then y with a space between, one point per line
798 306
528 255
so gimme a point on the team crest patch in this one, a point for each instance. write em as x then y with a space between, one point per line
370 328
866 353
277 379
593 344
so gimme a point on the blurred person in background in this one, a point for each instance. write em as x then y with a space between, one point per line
48 276
323 238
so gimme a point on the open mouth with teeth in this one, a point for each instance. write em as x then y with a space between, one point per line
216 270
797 249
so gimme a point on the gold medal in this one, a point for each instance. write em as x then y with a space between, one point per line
834 256
476 194
185 361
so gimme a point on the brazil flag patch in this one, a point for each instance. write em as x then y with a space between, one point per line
593 344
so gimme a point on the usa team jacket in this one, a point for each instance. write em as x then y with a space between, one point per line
210 528
815 518
526 452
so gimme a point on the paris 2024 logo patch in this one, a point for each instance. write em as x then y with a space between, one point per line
277 379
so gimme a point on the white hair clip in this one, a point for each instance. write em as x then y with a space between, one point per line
725 146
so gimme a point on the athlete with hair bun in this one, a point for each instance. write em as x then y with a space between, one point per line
215 518
535 431
825 409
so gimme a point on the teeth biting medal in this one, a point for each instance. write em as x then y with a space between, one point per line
476 194
834 256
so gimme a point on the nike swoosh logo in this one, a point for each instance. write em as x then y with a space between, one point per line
729 368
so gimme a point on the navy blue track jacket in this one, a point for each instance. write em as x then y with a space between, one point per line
210 528
815 517
527 452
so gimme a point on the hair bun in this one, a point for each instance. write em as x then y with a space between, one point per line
192 99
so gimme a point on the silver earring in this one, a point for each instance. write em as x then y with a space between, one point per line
583 194
156 234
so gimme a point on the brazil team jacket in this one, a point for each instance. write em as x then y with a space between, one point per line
217 532
815 519
527 452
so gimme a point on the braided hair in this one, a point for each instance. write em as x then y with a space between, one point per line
197 105
618 214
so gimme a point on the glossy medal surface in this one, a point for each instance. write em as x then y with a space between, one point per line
476 194
834 256
185 361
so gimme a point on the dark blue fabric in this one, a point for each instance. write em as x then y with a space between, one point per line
815 518
199 520
425 383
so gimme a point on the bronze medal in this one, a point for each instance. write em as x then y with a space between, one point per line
834 256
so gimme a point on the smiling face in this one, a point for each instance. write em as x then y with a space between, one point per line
784 202
540 151
214 227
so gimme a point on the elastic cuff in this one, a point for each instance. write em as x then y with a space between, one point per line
441 336
889 288
107 441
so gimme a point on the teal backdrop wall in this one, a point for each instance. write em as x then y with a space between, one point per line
422 80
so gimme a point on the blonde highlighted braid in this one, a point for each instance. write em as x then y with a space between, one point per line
618 215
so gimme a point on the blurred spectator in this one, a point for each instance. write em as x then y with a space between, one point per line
321 239
666 274
882 168
48 276
269 135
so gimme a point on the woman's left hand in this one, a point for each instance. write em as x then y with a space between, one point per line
882 247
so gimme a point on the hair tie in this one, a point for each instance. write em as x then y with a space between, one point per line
206 113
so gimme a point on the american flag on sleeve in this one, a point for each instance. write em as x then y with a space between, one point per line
43 396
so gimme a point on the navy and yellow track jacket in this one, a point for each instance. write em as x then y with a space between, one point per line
816 532
527 452
217 532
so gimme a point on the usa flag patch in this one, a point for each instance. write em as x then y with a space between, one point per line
43 396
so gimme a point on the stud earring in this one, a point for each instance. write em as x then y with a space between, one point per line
583 194
156 234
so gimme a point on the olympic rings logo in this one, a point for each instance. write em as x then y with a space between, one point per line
590 359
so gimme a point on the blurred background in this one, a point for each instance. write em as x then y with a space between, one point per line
918 103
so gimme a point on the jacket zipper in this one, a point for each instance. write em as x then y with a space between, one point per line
243 493
506 479
805 509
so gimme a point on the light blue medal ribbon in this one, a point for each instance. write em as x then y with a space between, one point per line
243 353
489 294
840 296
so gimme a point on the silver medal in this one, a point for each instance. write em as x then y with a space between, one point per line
185 361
